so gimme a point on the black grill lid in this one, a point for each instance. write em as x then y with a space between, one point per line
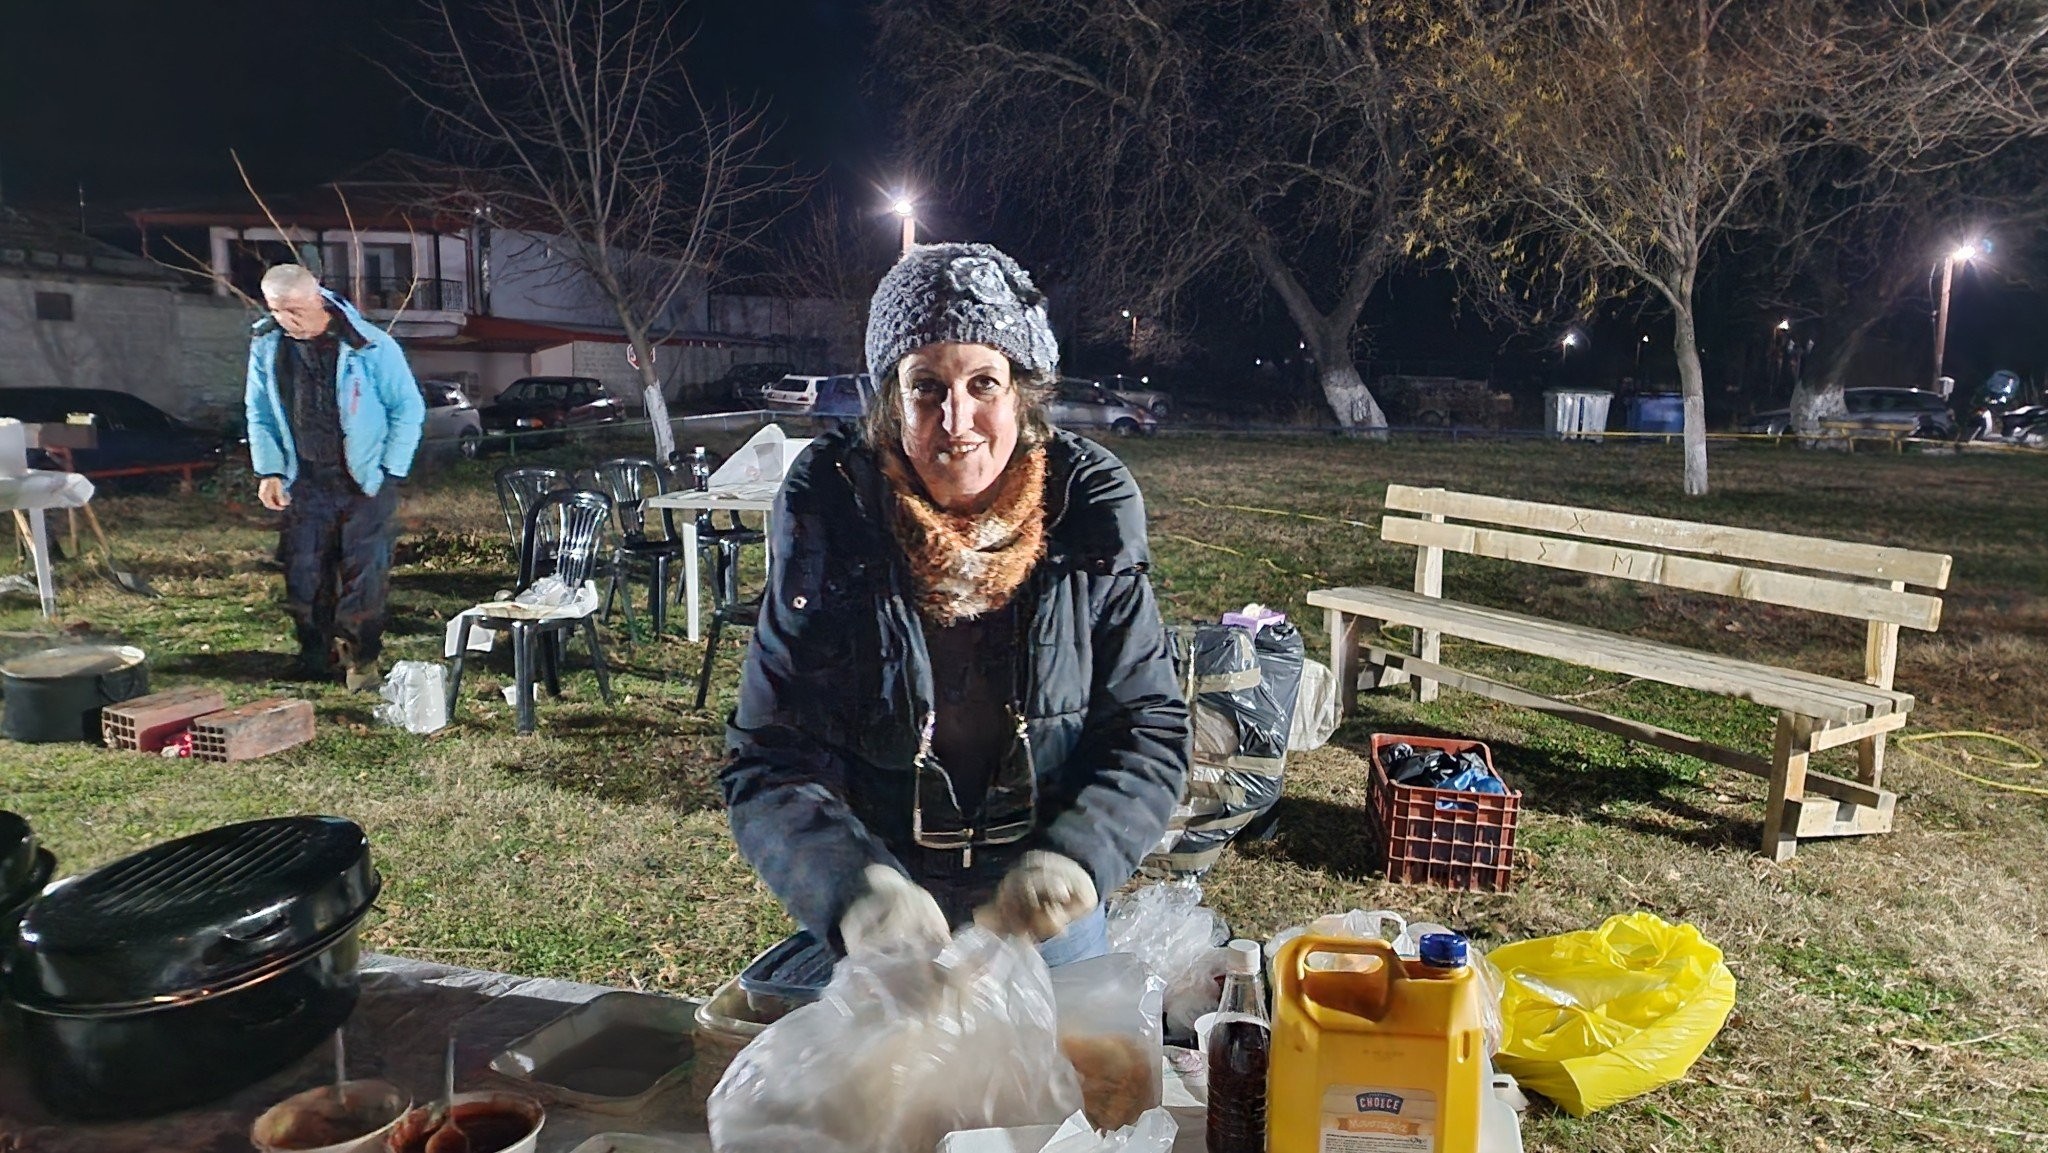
17 855
194 914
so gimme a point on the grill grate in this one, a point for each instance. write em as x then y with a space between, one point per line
152 884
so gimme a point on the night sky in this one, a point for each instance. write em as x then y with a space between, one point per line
141 100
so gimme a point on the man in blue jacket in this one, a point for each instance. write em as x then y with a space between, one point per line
334 420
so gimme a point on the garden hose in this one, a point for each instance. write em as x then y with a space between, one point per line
2034 758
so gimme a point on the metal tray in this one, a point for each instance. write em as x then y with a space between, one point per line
611 1054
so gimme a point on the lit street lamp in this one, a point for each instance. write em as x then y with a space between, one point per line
1132 317
1564 350
1963 253
906 208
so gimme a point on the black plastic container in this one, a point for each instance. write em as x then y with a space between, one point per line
25 867
182 973
57 694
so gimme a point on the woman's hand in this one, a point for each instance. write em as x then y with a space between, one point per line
894 908
1041 896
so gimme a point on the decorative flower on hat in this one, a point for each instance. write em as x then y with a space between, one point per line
980 277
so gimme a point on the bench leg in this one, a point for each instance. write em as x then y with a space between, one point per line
1429 646
1788 783
1870 760
1344 658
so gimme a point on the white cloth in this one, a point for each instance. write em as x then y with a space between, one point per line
756 468
45 488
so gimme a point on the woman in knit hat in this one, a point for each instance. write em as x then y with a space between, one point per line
960 702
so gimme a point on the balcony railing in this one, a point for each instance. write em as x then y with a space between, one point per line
390 294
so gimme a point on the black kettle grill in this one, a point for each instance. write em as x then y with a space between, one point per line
186 971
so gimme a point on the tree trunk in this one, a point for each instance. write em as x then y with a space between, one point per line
1692 386
1350 399
656 404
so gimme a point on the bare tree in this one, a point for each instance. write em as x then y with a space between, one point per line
832 251
1251 143
577 120
1622 139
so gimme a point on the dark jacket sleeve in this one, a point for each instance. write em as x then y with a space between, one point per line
785 785
1135 742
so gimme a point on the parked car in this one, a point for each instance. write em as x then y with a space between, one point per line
534 404
1084 404
1140 393
451 420
793 391
746 382
132 436
1926 412
841 400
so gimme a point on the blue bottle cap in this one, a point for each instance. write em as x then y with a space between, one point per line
1443 950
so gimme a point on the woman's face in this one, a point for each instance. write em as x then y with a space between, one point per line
959 421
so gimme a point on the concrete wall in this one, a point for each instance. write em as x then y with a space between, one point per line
183 353
492 371
530 282
819 335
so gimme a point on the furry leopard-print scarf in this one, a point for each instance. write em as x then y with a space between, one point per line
965 566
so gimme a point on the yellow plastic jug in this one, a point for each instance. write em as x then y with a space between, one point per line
1371 1053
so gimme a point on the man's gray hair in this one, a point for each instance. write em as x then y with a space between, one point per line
285 281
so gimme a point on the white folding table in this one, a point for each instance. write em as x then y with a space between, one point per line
35 492
756 497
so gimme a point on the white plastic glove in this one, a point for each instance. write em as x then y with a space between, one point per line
893 908
1043 894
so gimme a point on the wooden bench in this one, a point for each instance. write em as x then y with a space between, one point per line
1860 581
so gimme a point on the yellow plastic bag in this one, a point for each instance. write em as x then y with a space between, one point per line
1596 1017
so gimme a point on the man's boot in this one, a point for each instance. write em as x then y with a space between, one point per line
315 661
361 674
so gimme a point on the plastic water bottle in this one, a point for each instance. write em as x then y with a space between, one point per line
1240 1046
700 469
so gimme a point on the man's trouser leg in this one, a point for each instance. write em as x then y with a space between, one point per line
309 543
367 529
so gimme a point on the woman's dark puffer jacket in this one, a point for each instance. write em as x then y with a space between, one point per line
838 683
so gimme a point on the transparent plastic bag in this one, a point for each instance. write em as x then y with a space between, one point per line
903 1047
1166 926
415 698
1602 1015
1109 1015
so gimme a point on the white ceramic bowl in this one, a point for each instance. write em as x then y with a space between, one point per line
367 1102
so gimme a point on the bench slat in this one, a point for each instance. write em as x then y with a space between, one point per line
1809 694
1850 792
1632 655
1847 558
1792 590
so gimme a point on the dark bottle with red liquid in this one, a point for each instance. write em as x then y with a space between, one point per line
1240 1043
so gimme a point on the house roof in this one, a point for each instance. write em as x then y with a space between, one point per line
392 191
43 246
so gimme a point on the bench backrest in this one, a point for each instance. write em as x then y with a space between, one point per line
1842 578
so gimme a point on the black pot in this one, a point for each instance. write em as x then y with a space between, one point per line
57 694
180 974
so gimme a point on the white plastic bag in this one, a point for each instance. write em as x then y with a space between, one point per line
902 1048
1166 926
1315 708
1153 1132
415 697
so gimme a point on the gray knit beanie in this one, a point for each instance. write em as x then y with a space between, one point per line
963 293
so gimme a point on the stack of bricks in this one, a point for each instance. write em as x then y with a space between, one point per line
147 724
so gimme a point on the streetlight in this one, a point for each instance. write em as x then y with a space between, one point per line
1132 317
906 208
1963 253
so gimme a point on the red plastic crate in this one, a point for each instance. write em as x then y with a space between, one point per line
1468 844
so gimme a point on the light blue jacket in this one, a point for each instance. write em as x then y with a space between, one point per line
382 412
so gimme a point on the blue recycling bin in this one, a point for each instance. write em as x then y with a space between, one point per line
1656 412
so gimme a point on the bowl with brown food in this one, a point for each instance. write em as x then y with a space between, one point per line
481 1122
353 1117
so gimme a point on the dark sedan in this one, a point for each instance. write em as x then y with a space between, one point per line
114 434
539 405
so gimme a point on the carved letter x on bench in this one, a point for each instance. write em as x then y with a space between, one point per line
1871 583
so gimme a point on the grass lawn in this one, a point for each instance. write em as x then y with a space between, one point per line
1892 990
